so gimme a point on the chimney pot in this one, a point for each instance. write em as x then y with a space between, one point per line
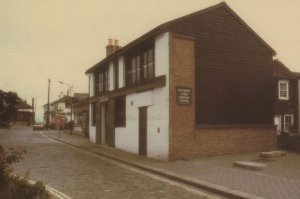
113 45
116 42
110 42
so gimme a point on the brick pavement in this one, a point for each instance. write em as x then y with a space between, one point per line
280 179
81 174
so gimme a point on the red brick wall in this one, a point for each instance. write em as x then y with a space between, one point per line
218 141
187 141
182 117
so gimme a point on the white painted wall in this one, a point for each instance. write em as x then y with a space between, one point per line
91 84
157 100
158 115
121 72
127 138
92 129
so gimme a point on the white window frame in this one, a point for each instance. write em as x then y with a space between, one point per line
284 122
287 90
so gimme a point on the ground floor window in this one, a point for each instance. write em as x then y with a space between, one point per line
120 111
288 122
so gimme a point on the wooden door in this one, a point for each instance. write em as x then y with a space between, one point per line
103 124
143 131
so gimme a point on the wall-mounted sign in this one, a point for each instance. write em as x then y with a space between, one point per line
184 95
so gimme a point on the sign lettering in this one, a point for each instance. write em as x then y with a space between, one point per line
184 95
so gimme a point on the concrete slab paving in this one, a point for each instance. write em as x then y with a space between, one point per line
249 165
272 154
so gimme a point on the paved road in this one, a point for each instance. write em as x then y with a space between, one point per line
84 175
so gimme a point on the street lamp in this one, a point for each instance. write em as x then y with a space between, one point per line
70 89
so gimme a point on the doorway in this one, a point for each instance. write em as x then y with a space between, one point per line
277 122
143 131
101 126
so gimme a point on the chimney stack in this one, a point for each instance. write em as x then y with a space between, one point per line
112 46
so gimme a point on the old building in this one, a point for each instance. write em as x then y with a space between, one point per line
81 114
198 85
286 83
61 110
25 113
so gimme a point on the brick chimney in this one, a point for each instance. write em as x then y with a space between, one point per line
112 46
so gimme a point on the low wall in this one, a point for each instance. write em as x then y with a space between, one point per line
209 142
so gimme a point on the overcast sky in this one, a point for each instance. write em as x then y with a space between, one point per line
61 39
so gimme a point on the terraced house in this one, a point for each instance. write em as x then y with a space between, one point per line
198 85
287 84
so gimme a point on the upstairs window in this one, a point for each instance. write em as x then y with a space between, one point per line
140 67
103 81
148 64
116 74
283 89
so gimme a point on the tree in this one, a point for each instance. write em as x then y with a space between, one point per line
8 102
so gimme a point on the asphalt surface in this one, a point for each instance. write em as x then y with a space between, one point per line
85 175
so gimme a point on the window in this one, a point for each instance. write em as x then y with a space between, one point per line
150 64
103 81
288 122
116 74
106 81
94 114
120 111
283 89
133 69
140 67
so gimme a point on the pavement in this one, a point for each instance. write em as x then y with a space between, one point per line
280 179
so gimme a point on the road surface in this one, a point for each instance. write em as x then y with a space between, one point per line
84 175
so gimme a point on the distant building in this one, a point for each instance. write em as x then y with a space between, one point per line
81 115
61 110
198 85
287 87
25 113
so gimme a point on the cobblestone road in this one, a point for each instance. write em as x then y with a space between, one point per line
83 175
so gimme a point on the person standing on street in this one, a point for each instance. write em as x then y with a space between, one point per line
71 125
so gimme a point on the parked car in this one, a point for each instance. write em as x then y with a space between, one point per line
38 126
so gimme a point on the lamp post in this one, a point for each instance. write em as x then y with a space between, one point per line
70 89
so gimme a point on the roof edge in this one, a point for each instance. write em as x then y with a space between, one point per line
163 27
157 30
249 28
